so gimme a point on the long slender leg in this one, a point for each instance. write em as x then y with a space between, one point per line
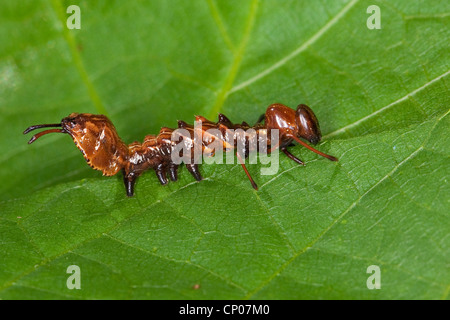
275 147
291 156
193 169
314 150
246 171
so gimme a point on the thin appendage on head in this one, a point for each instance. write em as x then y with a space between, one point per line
40 134
39 126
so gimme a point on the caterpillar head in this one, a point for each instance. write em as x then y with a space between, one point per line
95 136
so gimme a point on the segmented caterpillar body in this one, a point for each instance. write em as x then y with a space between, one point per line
101 146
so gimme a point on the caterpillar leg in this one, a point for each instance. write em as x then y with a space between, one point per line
129 180
173 172
193 169
161 174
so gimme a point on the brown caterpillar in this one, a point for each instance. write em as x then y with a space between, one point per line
97 139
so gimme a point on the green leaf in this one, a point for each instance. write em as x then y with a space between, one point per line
310 232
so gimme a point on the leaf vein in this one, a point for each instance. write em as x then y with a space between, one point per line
297 51
406 97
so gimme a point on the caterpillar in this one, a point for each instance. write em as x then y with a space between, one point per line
97 139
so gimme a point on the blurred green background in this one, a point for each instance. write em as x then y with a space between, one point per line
381 97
